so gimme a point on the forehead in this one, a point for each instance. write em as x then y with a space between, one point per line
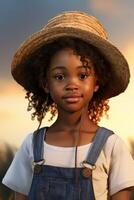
66 57
63 56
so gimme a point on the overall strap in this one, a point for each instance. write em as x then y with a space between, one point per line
97 145
38 144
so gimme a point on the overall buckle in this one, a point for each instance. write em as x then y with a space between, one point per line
38 166
87 169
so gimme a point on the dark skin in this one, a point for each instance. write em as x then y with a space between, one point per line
67 74
70 78
64 135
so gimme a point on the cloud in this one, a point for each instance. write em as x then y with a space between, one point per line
111 8
116 16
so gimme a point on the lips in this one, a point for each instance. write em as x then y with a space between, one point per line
72 98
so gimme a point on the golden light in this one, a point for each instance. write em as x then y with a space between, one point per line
16 122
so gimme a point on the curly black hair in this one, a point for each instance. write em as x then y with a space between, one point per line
38 65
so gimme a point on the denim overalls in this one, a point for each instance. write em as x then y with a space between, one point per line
58 183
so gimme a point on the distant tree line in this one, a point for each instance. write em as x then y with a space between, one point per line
6 156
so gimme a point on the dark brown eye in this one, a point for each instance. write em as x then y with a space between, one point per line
59 77
83 76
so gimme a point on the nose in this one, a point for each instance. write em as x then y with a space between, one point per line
72 84
71 87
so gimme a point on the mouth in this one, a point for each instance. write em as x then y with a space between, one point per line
74 98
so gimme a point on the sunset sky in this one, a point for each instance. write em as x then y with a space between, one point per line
19 19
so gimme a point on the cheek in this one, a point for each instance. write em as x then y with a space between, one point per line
53 94
55 90
55 87
90 88
90 85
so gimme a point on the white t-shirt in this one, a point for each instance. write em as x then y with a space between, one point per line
115 164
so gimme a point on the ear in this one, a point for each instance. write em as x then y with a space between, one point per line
96 88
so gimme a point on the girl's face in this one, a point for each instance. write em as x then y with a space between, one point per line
70 83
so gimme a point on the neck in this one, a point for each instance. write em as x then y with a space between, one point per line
69 121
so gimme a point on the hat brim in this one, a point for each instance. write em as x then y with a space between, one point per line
117 61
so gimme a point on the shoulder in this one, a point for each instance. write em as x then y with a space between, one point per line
19 175
115 147
114 143
26 146
27 140
121 164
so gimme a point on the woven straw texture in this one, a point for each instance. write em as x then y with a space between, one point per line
79 25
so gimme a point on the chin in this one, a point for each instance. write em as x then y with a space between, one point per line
72 108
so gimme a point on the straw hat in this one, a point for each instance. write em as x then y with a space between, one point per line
79 25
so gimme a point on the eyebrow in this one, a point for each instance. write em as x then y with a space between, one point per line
63 67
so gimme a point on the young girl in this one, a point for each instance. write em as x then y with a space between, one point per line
71 69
